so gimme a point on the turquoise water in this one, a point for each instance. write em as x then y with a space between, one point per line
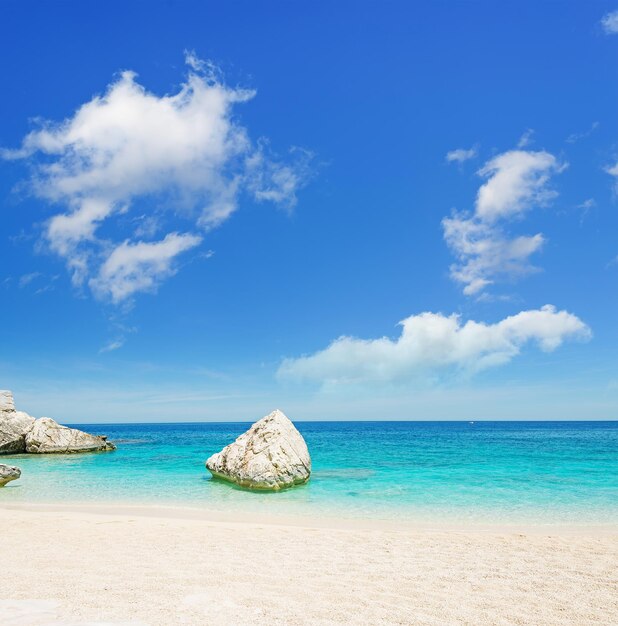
563 472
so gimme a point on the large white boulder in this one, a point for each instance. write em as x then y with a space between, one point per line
13 425
19 432
8 473
271 455
47 436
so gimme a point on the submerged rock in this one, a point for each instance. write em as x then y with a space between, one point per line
8 473
19 432
271 455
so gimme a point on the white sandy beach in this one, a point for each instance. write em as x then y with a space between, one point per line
80 565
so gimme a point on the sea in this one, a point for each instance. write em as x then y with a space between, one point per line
473 472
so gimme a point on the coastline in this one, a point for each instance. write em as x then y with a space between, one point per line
81 565
332 521
490 475
438 532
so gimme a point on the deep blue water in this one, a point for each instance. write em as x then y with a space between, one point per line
491 471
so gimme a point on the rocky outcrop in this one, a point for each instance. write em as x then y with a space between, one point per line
271 455
19 432
13 425
8 473
47 437
13 428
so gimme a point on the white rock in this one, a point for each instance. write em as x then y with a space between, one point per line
8 473
13 425
19 432
47 436
13 428
6 401
271 455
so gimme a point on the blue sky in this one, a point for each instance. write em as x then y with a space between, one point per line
214 209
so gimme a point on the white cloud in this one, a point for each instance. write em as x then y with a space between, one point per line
44 289
517 181
484 253
613 171
586 206
199 65
276 182
461 154
432 342
185 150
141 266
111 346
26 279
526 139
575 137
610 23
147 226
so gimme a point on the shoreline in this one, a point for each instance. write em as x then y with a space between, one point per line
248 517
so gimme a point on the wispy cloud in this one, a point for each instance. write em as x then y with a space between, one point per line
140 266
43 282
147 226
26 279
612 170
186 149
575 137
116 344
44 289
460 155
526 139
434 342
610 23
516 181
585 207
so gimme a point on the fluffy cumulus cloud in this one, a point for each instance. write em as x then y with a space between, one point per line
610 23
185 152
460 155
431 342
515 182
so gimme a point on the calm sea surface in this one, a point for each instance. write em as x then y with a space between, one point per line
485 471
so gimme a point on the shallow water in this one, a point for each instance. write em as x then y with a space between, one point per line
563 472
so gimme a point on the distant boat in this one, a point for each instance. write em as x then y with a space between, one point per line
470 422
